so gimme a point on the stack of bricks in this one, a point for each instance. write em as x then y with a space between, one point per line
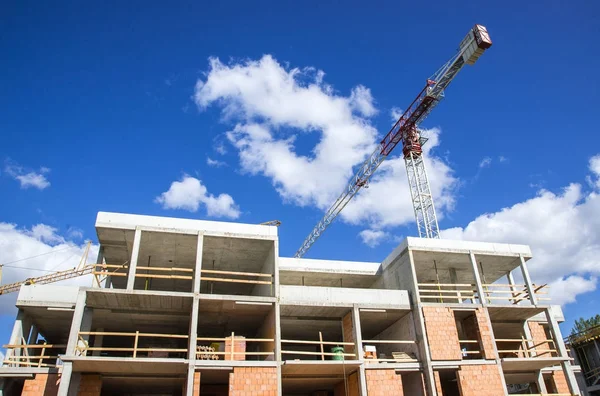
90 385
384 382
250 381
348 332
560 382
539 339
480 380
239 348
441 333
41 384
485 334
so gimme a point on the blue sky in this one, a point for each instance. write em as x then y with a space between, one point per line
106 105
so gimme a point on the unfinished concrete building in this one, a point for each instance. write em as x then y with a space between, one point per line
584 348
189 307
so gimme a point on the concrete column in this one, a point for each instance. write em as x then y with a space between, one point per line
32 340
562 350
540 383
478 285
193 334
362 377
135 252
454 280
65 379
511 282
189 385
277 356
98 340
76 324
528 284
99 260
198 268
21 329
421 335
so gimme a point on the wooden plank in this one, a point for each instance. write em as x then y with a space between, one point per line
315 342
235 273
321 344
172 269
34 346
234 280
315 353
446 284
185 277
387 342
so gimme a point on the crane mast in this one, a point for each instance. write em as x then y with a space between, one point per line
405 130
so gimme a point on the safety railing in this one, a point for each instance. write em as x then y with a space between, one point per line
469 349
33 355
447 292
230 348
493 293
135 351
525 348
236 277
374 349
514 294
104 270
592 377
337 349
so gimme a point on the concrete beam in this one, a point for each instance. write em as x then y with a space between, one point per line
135 252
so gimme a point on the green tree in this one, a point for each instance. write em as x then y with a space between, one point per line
583 325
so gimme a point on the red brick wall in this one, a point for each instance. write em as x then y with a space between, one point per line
239 347
539 336
480 380
41 385
383 382
90 385
196 383
348 332
441 333
560 382
250 381
485 334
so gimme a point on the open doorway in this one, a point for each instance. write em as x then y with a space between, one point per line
448 382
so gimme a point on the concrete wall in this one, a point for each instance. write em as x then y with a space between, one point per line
322 296
402 329
267 330
267 268
397 275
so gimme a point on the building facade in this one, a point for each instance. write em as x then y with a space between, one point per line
190 307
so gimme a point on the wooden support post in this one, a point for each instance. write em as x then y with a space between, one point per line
42 354
232 339
135 343
321 343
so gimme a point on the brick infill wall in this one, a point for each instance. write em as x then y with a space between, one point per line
250 381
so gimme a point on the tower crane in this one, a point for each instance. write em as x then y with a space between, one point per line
405 130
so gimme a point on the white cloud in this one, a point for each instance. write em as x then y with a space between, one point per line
502 159
595 168
485 162
562 230
215 163
45 250
27 178
373 238
189 193
271 107
396 113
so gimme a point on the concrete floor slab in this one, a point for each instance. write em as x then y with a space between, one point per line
529 364
128 366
